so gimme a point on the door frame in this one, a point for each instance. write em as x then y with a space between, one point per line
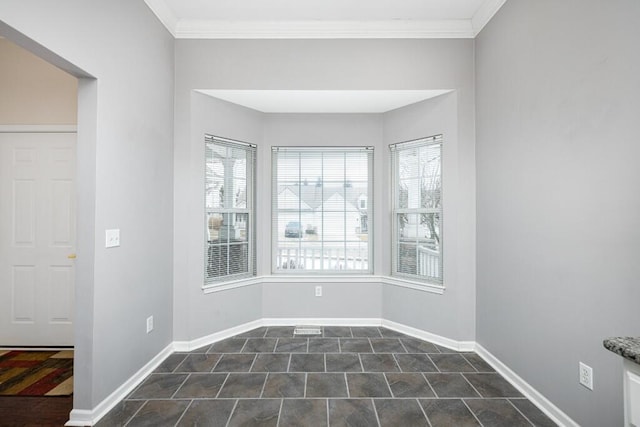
49 129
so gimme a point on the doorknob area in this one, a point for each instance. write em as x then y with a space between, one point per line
71 256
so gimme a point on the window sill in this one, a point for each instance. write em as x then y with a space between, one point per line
387 280
210 288
414 284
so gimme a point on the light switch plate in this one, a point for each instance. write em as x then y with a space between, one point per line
112 238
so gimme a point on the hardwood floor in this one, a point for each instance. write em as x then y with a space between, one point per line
31 411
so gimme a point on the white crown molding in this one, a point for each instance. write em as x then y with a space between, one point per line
320 29
392 29
164 14
484 14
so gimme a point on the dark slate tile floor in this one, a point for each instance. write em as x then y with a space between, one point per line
348 376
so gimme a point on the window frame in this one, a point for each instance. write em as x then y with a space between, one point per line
250 212
396 211
369 150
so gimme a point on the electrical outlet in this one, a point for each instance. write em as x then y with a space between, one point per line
318 291
586 376
149 324
112 238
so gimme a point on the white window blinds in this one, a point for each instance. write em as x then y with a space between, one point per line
417 209
322 209
229 209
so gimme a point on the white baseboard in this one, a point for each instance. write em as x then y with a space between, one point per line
81 417
216 336
427 336
308 321
545 405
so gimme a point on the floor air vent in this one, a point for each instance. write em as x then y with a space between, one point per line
307 330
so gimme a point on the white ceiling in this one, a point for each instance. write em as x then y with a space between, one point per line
324 101
325 18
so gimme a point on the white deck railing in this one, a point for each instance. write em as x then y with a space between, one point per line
428 264
327 258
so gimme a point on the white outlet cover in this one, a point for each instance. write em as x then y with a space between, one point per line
112 238
586 376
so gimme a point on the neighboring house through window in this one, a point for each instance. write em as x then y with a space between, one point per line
229 210
417 209
319 219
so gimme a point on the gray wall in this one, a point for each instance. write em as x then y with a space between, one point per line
317 65
196 314
558 101
125 129
451 315
349 299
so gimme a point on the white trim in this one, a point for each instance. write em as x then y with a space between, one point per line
81 417
322 29
301 278
427 336
216 336
544 404
164 14
344 278
414 284
390 29
304 321
484 14
210 288
38 128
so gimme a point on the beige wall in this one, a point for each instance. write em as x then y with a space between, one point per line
32 91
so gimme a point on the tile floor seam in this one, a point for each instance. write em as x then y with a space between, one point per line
375 412
472 386
346 383
472 413
223 384
395 358
469 362
235 405
280 413
521 413
134 414
430 386
434 363
183 413
180 386
304 395
253 362
386 380
424 413
328 414
266 378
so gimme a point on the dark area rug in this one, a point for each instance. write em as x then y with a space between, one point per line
36 373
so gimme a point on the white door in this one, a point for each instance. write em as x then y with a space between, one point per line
37 238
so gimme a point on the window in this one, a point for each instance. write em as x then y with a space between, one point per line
319 222
417 209
229 209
